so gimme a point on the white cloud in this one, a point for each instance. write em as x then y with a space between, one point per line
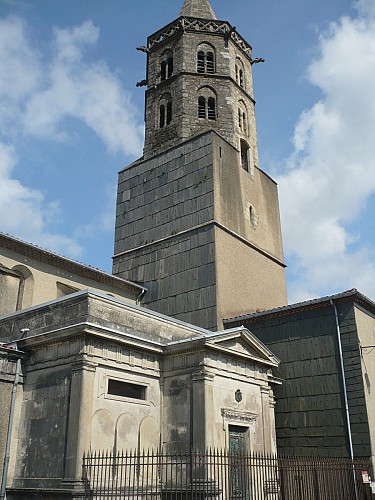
88 92
24 211
40 88
331 175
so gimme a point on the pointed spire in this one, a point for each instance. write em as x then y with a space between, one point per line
198 8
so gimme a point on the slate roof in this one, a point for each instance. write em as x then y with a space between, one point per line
352 294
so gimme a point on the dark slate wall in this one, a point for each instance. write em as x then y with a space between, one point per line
169 193
162 204
179 275
310 416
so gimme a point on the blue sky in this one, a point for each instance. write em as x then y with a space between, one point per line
71 117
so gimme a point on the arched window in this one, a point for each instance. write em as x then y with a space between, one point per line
205 59
166 65
242 117
162 116
169 67
252 216
207 103
240 73
201 107
210 62
201 61
163 70
245 155
211 108
169 112
165 110
27 286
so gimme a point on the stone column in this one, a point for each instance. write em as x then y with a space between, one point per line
80 414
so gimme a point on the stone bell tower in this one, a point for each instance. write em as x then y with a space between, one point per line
197 220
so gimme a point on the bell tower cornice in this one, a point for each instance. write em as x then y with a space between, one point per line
193 24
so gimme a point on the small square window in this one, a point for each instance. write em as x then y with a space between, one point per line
126 389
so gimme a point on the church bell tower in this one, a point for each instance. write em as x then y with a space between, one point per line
197 220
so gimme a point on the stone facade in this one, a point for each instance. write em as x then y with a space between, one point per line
310 414
85 352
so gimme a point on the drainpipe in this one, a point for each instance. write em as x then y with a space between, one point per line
345 393
10 427
343 381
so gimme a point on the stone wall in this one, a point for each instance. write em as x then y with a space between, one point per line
8 363
33 278
199 402
41 452
366 336
184 88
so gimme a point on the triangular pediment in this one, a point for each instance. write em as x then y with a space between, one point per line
238 346
242 343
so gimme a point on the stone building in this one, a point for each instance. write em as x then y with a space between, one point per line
99 373
30 275
327 351
197 240
197 204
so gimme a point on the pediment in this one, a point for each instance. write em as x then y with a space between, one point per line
238 346
242 343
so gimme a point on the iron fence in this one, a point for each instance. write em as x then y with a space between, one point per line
222 475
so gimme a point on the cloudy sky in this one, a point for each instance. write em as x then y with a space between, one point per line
71 117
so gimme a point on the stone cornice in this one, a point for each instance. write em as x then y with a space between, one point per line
212 222
192 24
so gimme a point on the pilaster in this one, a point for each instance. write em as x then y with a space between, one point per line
266 419
80 414
202 406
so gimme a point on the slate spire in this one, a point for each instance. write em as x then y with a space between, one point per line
198 8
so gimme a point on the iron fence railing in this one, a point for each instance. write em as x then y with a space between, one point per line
222 475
